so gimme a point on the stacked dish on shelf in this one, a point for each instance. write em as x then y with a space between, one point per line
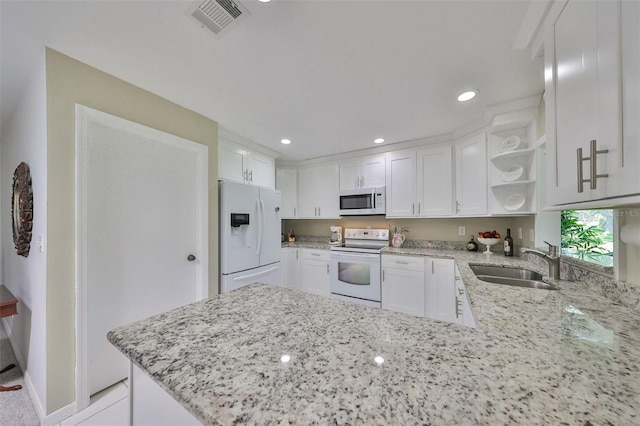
512 173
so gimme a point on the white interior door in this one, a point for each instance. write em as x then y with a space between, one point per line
142 211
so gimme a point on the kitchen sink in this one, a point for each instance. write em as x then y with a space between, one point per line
517 277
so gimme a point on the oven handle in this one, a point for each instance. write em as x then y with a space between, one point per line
342 254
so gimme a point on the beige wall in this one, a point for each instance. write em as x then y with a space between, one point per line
70 82
419 229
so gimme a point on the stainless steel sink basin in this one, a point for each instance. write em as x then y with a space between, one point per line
517 277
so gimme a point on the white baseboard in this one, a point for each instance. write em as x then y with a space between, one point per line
58 416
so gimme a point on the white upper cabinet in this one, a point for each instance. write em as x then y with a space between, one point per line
592 69
238 163
287 183
435 182
365 172
420 184
401 184
471 176
318 191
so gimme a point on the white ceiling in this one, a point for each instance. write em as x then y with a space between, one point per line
329 75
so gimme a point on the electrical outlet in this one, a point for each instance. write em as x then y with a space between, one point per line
532 236
462 230
519 233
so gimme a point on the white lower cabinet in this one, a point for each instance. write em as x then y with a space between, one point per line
315 272
424 287
464 313
153 406
440 292
403 288
291 260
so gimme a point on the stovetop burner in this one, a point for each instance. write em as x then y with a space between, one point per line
364 240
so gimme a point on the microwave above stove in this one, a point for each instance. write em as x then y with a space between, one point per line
363 201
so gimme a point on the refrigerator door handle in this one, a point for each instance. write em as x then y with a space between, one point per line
257 274
259 244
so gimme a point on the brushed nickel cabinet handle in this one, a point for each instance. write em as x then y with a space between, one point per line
593 151
593 166
580 177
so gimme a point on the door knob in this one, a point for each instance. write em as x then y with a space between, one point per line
191 258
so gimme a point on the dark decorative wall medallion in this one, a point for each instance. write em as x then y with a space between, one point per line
22 209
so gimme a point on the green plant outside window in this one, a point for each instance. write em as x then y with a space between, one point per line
588 235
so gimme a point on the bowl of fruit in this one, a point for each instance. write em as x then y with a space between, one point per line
488 238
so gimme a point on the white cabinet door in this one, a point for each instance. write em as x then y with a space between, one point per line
365 172
318 191
471 176
350 174
401 184
328 202
373 171
403 284
152 405
287 184
237 163
292 271
591 49
440 289
308 187
627 180
464 313
284 265
435 182
315 272
231 162
261 169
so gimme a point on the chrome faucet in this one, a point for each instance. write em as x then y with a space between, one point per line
552 258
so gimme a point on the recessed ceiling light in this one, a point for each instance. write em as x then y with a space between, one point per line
378 140
264 1
467 96
285 141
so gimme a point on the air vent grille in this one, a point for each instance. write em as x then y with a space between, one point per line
216 15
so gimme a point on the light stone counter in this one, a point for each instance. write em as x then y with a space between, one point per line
538 357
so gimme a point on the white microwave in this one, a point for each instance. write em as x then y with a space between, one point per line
363 201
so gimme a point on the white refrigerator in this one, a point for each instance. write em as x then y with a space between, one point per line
250 236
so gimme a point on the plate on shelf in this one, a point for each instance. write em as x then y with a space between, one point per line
514 201
511 143
512 174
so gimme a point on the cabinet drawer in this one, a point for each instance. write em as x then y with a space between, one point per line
413 263
314 254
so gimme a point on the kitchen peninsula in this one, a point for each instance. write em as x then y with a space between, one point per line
271 355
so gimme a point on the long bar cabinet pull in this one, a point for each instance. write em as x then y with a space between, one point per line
594 163
593 166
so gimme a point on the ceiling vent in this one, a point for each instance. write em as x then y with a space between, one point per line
217 15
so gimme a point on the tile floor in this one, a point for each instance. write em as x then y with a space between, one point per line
109 407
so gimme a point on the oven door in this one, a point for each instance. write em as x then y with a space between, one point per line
355 275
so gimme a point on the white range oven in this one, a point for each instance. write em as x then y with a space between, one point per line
355 267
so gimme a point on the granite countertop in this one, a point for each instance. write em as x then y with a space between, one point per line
323 245
537 357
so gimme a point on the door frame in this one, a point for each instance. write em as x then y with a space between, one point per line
85 117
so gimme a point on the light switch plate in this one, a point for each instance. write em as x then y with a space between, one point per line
462 230
532 236
519 233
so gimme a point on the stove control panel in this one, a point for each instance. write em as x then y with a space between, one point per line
367 234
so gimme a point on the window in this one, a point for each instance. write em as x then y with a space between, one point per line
588 235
